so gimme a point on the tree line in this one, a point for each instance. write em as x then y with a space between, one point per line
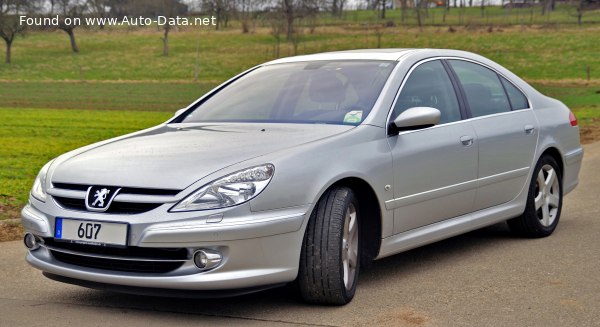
281 15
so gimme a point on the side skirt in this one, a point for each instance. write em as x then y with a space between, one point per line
451 227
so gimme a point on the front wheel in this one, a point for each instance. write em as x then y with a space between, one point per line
544 201
329 261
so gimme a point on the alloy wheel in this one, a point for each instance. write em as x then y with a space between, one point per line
547 195
350 246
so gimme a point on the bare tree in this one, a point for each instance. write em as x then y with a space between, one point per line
294 9
336 7
247 9
70 11
169 9
277 28
100 9
381 7
288 8
421 11
584 5
403 10
222 9
482 6
10 26
548 6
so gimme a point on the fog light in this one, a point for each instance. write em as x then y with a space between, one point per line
207 259
31 242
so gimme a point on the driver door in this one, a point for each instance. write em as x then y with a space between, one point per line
435 169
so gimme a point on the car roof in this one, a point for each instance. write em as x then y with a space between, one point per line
364 54
374 54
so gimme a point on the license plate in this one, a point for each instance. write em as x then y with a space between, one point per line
91 232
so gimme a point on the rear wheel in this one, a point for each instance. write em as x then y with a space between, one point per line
329 262
544 201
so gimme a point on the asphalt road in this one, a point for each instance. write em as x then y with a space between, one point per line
484 278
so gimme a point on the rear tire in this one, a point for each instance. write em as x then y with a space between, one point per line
544 201
329 261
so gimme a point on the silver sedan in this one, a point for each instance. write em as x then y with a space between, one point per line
303 170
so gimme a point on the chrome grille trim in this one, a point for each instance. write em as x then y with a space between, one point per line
129 200
138 198
65 193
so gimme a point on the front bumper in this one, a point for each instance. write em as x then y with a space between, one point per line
260 249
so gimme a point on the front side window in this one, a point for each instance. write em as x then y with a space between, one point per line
483 89
326 92
429 86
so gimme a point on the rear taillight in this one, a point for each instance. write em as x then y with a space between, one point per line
572 118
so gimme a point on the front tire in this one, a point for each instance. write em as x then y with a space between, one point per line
544 201
329 261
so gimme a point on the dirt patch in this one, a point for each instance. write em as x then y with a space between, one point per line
591 132
403 317
9 211
10 226
10 231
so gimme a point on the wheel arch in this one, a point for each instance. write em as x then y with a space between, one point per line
371 227
553 152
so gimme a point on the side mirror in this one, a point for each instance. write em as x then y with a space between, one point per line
179 112
417 118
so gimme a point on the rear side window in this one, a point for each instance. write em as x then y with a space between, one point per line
518 100
429 86
483 89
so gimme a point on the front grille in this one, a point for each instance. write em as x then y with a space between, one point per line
130 259
124 208
124 190
75 200
71 204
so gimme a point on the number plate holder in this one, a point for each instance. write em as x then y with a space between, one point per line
91 232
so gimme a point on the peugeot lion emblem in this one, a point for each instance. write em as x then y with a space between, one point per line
99 198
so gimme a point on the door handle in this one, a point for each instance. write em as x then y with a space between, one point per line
466 140
529 129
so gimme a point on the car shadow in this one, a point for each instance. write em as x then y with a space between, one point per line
279 299
438 253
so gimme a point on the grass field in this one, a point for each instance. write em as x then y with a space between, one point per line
113 96
534 53
120 82
31 137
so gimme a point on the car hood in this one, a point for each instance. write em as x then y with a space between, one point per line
177 155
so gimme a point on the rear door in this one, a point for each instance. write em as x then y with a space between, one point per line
506 129
435 169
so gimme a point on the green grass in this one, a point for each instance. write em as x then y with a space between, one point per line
535 53
31 137
583 100
573 95
115 96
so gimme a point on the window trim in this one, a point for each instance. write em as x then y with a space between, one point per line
178 119
465 111
410 71
191 107
498 75
460 95
501 77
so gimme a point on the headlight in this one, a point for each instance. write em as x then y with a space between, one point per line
38 190
228 191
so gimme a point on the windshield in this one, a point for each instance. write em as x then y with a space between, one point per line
327 92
